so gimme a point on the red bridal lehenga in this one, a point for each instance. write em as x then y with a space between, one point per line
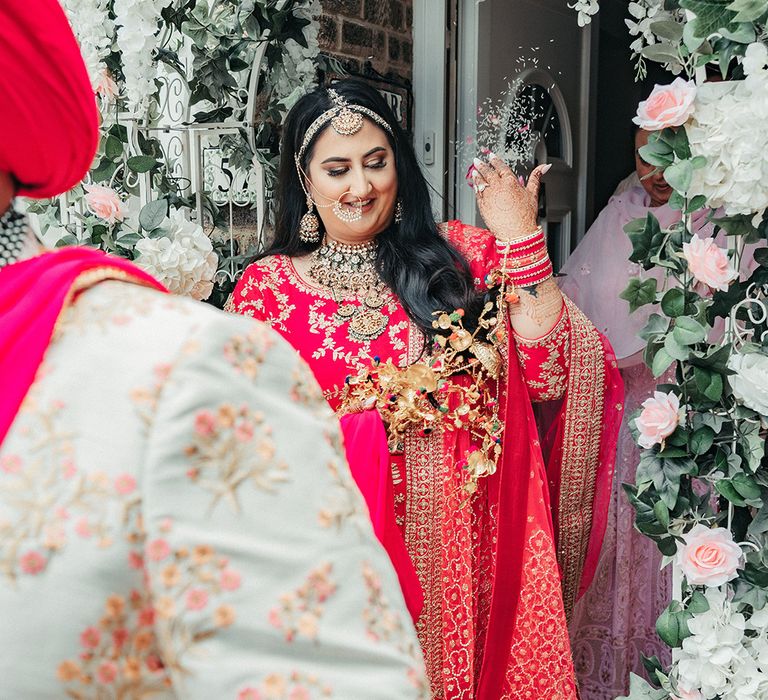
499 561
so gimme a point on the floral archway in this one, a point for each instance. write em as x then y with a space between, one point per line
190 94
701 488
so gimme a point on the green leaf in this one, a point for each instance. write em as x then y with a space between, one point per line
153 213
680 144
113 148
104 171
667 546
746 486
673 303
672 625
676 201
726 489
639 293
742 33
661 362
679 175
691 41
759 524
120 132
662 513
688 331
650 471
674 349
698 603
652 155
141 164
748 10
701 440
738 225
646 241
661 52
711 15
657 325
708 383
668 29
696 203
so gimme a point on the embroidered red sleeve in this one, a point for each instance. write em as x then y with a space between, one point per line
544 361
477 246
246 299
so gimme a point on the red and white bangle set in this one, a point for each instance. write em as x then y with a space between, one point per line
525 261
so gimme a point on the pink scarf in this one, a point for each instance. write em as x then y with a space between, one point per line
33 293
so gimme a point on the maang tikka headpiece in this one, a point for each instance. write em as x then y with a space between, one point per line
346 120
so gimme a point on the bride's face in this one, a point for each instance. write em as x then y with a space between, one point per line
359 172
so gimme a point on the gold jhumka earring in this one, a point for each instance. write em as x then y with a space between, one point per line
309 228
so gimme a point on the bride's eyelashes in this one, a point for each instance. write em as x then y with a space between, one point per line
337 172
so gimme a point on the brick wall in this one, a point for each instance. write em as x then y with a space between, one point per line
379 31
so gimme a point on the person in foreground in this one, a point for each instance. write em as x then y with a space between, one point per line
176 517
431 343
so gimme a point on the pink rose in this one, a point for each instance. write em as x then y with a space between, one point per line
104 86
709 556
684 693
658 419
667 105
104 203
708 263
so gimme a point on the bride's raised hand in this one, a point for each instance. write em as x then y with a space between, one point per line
508 207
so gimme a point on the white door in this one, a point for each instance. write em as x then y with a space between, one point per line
536 47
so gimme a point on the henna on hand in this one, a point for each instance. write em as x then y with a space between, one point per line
509 208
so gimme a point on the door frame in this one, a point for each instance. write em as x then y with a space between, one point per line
432 51
437 88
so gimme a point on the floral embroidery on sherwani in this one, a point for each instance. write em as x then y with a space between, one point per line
232 446
299 612
160 488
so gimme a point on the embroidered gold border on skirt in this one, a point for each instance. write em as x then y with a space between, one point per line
581 450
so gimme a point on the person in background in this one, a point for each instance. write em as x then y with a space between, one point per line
176 516
615 622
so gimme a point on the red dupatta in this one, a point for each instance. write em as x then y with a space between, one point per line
33 294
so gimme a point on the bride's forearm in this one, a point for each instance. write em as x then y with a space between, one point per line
534 310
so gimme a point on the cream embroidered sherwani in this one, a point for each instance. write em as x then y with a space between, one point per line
176 521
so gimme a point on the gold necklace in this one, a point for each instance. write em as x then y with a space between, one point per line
349 272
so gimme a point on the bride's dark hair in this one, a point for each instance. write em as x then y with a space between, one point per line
423 270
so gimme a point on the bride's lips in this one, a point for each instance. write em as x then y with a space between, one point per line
363 207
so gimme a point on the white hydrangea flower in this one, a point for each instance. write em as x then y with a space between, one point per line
137 24
183 260
729 127
726 654
94 31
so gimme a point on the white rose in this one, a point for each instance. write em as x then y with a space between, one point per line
750 383
755 58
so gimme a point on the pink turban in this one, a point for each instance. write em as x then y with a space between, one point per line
48 118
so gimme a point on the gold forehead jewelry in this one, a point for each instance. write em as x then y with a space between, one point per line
346 120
